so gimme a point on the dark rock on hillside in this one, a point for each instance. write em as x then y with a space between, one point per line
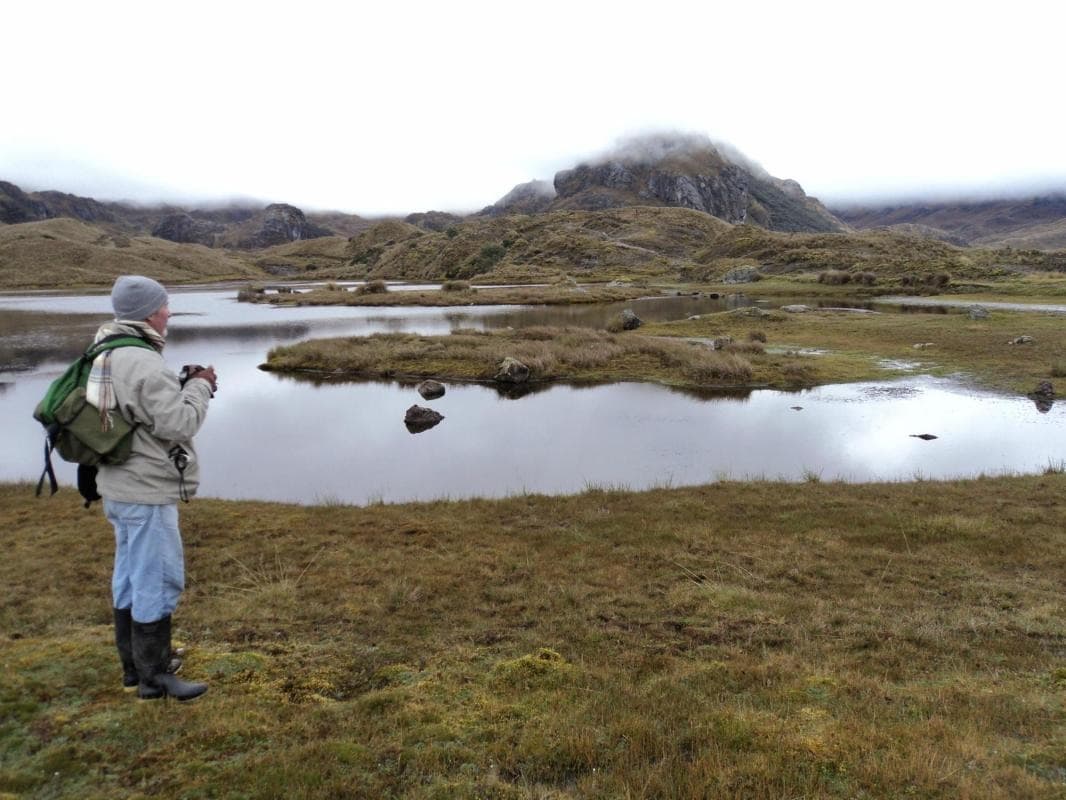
183 228
16 206
436 221
84 208
280 224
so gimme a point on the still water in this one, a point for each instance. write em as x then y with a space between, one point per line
278 438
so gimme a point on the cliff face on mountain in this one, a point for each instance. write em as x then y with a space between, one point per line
679 171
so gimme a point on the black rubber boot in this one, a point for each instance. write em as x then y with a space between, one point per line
151 653
124 643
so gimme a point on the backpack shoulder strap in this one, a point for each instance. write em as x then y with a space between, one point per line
116 340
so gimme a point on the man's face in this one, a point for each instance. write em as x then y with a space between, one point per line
158 320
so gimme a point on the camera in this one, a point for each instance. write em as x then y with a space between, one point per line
187 372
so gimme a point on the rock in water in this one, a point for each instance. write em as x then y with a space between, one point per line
430 390
419 418
924 436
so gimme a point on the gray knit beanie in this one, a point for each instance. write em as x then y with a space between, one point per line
136 297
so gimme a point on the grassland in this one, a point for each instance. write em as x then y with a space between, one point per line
67 254
739 640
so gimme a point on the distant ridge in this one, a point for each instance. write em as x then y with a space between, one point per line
1037 223
240 226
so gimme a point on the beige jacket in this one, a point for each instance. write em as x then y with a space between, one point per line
148 394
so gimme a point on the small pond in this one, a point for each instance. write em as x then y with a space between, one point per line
279 438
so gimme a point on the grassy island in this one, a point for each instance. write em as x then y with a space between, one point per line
756 640
1009 350
549 353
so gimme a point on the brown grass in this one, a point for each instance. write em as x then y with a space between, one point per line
755 640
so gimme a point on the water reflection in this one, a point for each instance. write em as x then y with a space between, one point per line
308 438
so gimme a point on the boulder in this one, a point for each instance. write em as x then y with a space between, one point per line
742 275
419 418
1022 340
430 390
977 312
511 370
721 342
630 321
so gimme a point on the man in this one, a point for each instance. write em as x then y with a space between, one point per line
141 494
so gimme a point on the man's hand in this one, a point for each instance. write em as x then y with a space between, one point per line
208 374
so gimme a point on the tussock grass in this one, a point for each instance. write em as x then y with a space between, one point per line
550 354
756 640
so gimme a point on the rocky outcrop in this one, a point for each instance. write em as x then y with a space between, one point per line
525 198
182 228
281 223
742 275
691 172
436 221
16 206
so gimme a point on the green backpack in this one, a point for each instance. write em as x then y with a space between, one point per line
72 426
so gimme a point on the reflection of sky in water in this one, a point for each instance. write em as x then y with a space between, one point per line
278 438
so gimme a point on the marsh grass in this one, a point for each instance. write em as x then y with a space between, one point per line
856 346
550 354
743 639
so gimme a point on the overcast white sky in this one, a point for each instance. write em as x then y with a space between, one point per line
399 107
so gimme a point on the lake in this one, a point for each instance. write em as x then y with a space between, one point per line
279 438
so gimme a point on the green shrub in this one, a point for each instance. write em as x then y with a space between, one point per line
757 336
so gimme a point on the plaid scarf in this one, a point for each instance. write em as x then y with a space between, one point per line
100 391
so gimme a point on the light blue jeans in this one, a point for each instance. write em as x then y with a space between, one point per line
149 571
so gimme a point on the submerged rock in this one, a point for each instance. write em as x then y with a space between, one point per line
796 309
419 418
430 390
511 370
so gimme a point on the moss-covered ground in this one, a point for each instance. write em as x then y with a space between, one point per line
747 640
